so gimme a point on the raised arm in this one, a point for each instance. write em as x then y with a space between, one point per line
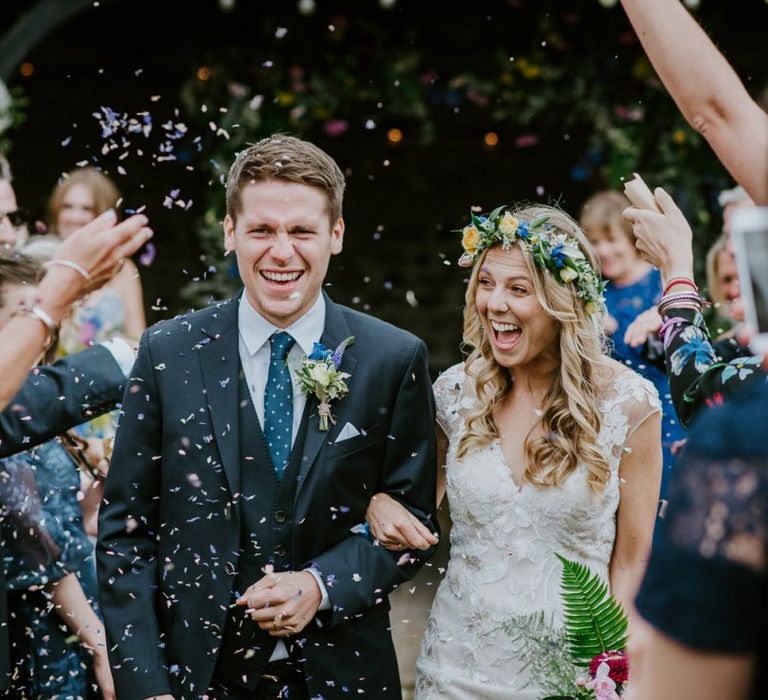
57 397
706 89
85 261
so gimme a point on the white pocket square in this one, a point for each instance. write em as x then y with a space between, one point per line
347 432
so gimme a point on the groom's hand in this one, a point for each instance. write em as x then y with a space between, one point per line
283 604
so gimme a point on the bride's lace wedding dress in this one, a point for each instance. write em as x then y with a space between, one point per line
503 568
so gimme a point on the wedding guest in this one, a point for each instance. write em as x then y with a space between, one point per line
84 262
549 447
13 220
700 372
118 307
723 280
706 89
51 400
39 500
704 592
633 290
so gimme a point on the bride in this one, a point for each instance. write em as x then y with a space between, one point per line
549 447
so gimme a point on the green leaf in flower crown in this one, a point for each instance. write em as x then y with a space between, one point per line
594 620
496 212
478 223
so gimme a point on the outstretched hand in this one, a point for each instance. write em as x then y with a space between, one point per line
665 240
645 324
395 527
100 249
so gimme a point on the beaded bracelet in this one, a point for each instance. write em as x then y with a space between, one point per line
679 280
682 299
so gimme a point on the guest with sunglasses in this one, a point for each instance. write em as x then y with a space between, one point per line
13 220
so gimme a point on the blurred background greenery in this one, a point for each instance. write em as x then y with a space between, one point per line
430 108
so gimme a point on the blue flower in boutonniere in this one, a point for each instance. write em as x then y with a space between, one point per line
320 375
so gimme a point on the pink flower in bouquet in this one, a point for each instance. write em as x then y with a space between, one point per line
618 666
603 685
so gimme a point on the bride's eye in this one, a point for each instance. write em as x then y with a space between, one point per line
519 291
484 282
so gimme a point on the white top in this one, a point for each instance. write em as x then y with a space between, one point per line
255 352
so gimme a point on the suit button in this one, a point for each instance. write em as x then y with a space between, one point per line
229 568
280 551
280 516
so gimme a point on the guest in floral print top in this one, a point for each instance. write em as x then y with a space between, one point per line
701 372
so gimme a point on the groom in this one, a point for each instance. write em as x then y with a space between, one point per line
230 560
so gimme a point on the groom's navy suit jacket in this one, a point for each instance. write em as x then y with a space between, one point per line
170 523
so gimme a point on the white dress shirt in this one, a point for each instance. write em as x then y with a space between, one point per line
255 353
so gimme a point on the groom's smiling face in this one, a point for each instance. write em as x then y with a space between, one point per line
283 239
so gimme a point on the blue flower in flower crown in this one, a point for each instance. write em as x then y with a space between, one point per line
558 255
319 352
523 230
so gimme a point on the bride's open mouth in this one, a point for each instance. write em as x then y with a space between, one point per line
506 335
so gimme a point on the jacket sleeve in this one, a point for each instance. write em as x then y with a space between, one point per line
57 397
126 551
702 373
357 573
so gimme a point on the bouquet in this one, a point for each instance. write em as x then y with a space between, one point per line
583 659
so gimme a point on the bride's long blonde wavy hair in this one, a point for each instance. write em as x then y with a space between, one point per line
571 419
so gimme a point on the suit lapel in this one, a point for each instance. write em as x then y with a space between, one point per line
336 330
220 364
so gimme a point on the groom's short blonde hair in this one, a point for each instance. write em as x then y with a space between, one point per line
288 158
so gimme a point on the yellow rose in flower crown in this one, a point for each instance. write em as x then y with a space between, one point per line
470 239
568 274
508 224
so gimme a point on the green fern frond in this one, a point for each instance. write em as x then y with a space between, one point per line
594 620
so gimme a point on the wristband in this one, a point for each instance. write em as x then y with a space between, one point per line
72 265
41 315
679 280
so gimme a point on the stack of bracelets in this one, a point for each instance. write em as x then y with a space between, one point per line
679 300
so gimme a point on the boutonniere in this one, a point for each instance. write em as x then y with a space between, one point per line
320 375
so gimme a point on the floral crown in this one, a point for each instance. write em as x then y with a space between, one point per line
556 252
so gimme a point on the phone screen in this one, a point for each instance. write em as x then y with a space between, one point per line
750 237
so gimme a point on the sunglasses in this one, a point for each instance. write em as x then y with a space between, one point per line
18 218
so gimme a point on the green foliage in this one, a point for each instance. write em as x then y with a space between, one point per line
545 78
594 621
542 651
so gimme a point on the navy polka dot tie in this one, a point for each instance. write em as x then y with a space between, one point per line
278 402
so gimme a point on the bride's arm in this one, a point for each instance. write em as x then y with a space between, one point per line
393 525
640 479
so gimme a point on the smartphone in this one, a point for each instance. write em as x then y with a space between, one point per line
749 231
640 194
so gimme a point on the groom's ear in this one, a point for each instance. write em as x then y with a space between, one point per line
337 237
229 234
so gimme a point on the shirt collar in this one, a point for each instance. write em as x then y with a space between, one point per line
255 330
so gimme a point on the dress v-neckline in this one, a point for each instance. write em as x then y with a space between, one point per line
507 466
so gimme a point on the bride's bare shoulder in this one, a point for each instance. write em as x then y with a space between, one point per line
610 371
